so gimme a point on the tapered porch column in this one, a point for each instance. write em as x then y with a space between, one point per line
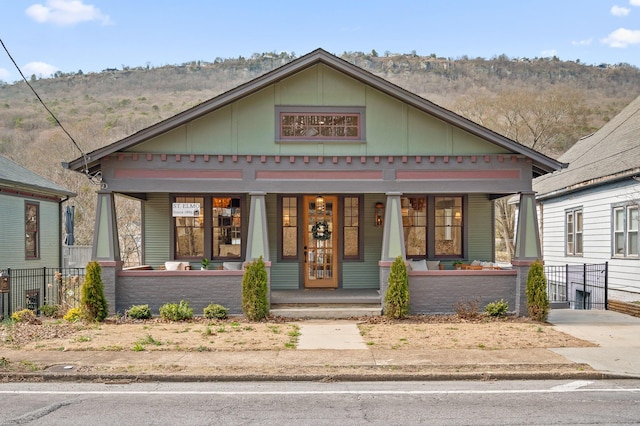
527 247
257 241
393 234
106 249
105 235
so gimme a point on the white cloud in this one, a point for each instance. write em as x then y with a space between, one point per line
585 42
4 74
40 69
66 12
622 37
620 11
549 53
634 2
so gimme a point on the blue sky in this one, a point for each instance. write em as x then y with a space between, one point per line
90 35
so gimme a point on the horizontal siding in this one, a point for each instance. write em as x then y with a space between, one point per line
12 249
157 224
596 206
479 228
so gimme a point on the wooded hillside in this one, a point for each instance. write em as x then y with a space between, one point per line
544 103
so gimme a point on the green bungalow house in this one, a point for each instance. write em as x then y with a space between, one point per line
329 173
31 230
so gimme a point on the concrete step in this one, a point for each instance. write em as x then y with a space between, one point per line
333 311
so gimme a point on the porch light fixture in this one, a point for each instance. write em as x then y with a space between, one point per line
379 214
320 203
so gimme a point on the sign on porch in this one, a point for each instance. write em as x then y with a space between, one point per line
186 209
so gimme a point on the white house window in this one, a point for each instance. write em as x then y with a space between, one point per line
573 226
625 231
319 123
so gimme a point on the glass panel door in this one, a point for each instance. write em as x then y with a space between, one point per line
320 241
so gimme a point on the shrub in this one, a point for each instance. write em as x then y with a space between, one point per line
92 299
139 312
49 310
215 311
255 301
25 315
467 309
176 311
396 299
537 299
73 315
498 308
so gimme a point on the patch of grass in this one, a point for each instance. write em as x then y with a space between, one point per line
208 331
274 329
29 365
137 347
82 339
141 343
203 349
371 343
114 348
293 334
222 329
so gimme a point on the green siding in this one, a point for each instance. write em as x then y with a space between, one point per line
284 275
157 224
247 127
12 249
480 236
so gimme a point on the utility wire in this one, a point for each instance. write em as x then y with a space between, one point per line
43 104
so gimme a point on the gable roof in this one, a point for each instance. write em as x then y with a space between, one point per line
610 154
16 177
541 163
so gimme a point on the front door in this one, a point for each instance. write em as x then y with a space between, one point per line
320 242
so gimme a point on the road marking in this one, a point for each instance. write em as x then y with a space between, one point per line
337 392
572 385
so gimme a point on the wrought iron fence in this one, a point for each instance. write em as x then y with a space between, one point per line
32 288
579 286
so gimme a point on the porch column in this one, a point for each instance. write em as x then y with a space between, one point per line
527 247
105 233
393 234
257 241
106 249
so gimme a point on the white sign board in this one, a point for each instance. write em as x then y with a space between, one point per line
186 209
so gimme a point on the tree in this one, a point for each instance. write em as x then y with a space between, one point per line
537 299
396 299
255 301
92 300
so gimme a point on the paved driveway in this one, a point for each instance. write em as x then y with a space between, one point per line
617 336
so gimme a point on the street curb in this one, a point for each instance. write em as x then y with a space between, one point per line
407 377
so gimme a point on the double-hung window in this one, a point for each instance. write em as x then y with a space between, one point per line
625 231
573 231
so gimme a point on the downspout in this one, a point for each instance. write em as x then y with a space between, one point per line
60 230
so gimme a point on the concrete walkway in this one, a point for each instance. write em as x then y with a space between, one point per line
617 336
330 334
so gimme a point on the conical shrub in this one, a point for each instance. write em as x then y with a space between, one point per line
396 299
255 300
537 299
92 300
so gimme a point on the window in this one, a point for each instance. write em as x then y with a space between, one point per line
32 230
414 222
625 231
351 229
289 227
573 226
221 216
433 226
448 226
320 123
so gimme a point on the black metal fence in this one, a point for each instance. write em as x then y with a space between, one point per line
578 286
35 287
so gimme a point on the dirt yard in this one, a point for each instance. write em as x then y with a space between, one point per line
237 334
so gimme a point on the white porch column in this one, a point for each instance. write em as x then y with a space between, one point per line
393 234
105 236
257 240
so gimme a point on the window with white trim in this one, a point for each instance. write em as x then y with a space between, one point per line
625 231
573 229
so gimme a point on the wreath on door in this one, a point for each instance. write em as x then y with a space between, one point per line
320 231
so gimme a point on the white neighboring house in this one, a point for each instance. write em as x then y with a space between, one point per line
589 210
